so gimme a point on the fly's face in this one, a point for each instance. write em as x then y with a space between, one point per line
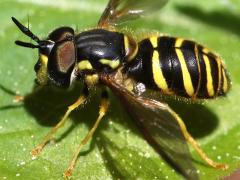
56 56
41 67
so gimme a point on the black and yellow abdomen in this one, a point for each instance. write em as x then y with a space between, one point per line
180 67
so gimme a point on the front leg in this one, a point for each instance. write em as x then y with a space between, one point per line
48 137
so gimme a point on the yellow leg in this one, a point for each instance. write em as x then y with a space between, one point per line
18 98
80 101
102 111
196 146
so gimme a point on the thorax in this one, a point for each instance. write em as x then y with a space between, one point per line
99 50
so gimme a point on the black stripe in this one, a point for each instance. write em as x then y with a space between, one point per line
188 50
166 42
188 44
221 91
200 48
214 72
165 57
146 52
177 80
172 68
141 67
202 93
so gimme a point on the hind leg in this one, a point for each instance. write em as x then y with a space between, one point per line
102 111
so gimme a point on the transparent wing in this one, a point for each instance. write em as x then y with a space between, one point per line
118 11
158 124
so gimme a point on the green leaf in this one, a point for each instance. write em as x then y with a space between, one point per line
117 149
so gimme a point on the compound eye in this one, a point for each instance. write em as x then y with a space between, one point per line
61 62
64 56
61 34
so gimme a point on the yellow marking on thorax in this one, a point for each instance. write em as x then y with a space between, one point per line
158 76
111 63
187 81
210 88
131 52
154 41
225 83
91 80
85 64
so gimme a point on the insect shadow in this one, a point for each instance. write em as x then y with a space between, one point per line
223 19
47 106
200 121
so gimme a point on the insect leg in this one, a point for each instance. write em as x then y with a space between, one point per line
79 102
195 145
102 111
19 98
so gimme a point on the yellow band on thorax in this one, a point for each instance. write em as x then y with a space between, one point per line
85 65
111 63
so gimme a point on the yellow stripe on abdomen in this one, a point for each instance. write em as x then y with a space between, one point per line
158 76
225 81
154 41
187 81
209 84
219 74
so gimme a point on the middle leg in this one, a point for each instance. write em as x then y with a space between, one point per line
102 111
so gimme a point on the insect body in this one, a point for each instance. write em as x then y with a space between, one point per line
104 56
181 67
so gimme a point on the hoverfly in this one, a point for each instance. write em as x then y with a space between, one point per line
131 68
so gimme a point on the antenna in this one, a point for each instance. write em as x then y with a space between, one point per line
25 44
25 30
